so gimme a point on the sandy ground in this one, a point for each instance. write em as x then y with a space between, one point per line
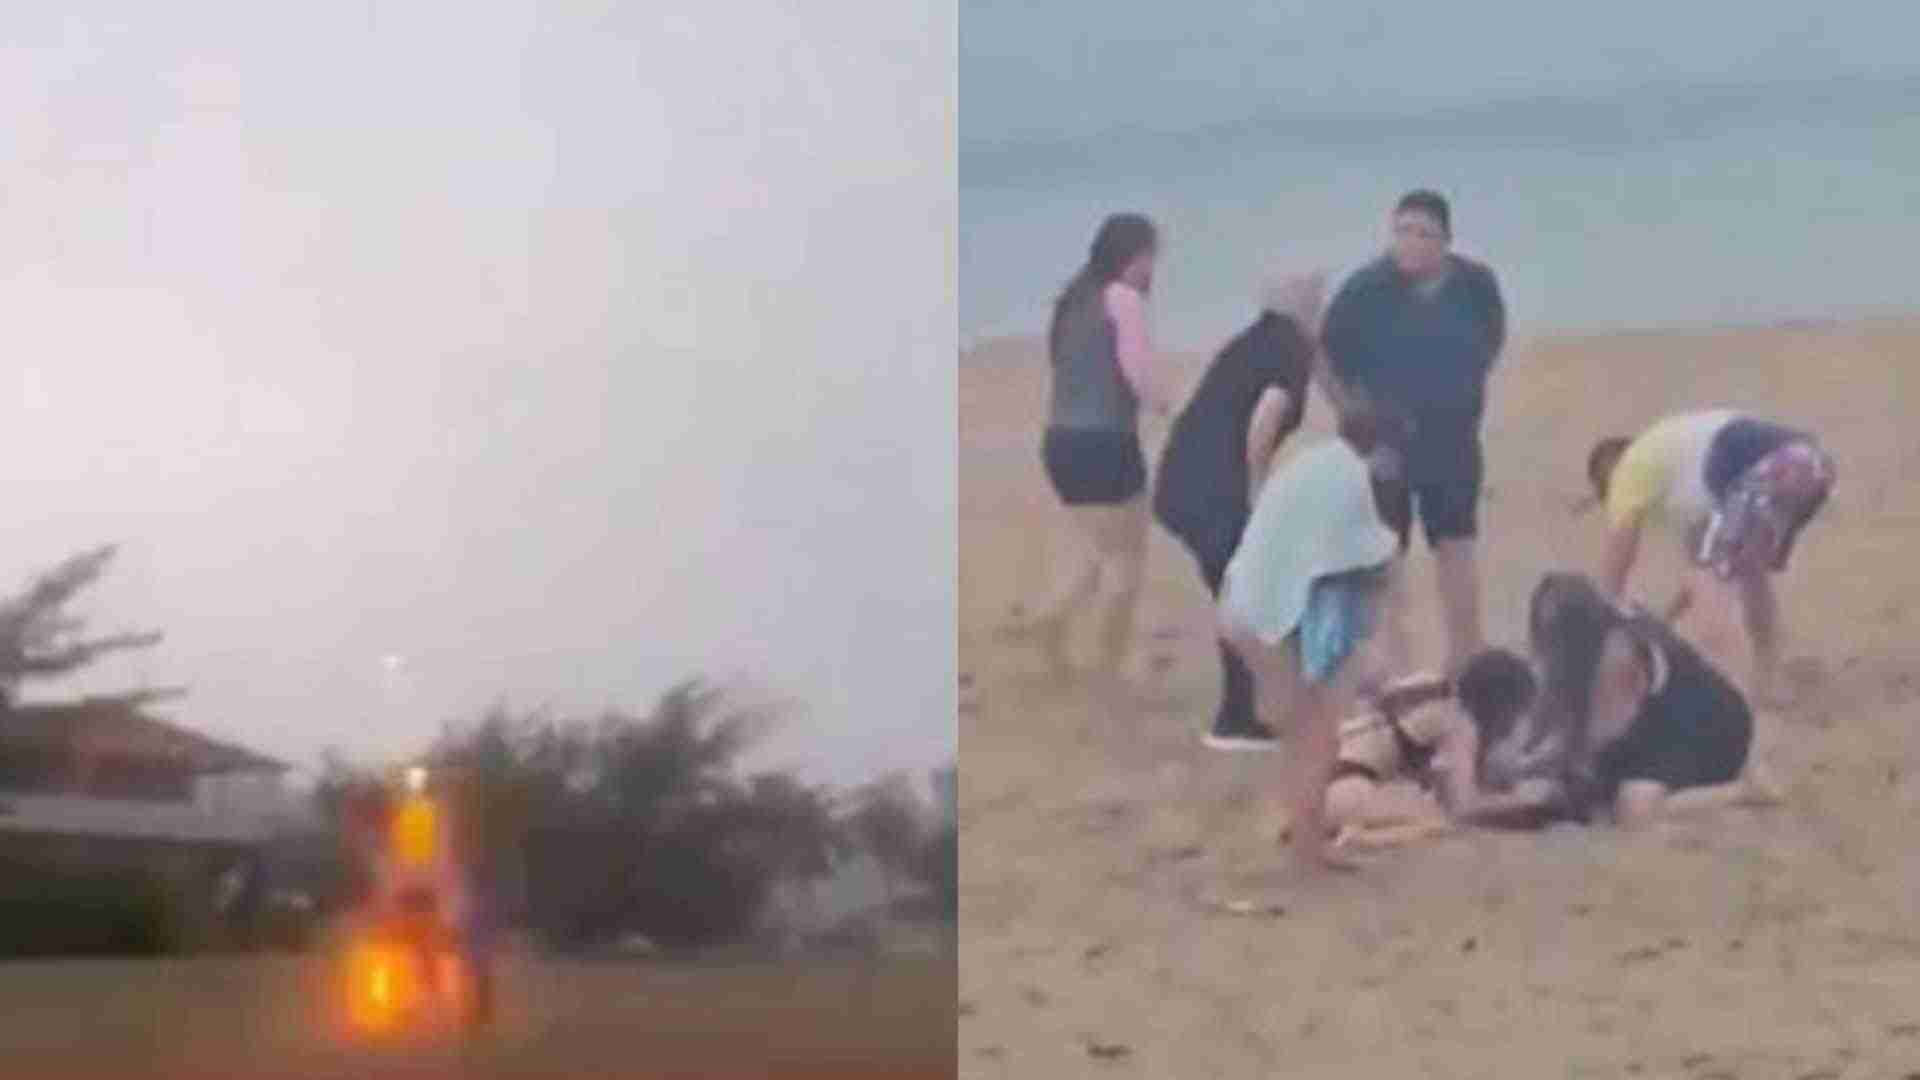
1099 835
262 1016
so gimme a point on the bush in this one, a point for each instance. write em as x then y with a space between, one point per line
46 912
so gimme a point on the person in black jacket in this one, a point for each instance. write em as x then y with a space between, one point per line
1251 398
1420 328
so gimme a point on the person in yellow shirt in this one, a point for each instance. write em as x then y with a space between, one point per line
1736 490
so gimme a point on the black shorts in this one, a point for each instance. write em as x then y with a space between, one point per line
1094 468
1689 756
1445 477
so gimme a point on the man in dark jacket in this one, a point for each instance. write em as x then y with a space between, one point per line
1420 328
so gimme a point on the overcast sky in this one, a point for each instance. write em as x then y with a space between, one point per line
422 353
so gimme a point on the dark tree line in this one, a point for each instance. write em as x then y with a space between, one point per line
590 829
587 828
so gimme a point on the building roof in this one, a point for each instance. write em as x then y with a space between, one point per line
69 815
117 726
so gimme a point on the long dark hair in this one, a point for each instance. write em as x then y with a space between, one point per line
1121 239
1568 623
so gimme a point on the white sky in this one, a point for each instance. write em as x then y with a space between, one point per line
561 353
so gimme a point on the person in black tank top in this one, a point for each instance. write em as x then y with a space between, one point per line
1632 721
1691 732
1252 397
1105 374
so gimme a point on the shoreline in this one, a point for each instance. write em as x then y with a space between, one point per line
998 347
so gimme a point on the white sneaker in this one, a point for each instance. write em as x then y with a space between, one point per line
1253 740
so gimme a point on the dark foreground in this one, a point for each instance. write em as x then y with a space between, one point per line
266 1016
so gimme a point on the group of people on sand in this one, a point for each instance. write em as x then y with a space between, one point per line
1611 711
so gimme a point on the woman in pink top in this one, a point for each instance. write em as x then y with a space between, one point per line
1104 372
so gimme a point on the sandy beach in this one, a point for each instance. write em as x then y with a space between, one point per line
1100 840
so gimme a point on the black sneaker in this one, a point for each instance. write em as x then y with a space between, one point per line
1252 736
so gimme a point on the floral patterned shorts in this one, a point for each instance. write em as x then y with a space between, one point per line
1754 529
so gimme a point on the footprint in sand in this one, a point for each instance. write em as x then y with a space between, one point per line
1900 688
1162 856
969 694
1805 674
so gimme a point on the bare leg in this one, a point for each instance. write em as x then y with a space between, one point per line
1457 574
1051 625
1641 802
1069 595
1692 800
1387 654
1721 607
1355 801
1716 630
1122 569
1760 610
1108 541
1314 745
1278 699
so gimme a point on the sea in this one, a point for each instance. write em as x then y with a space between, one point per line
1674 205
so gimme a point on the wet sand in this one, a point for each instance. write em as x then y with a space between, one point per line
1100 839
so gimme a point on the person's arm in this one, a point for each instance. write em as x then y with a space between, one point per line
1290 358
1681 603
1532 804
1342 361
1148 374
1617 556
1644 801
1493 312
1454 780
1263 437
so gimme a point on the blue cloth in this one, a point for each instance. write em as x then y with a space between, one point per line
1339 617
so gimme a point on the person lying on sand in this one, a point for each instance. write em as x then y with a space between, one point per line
1631 721
1409 761
1736 490
1311 585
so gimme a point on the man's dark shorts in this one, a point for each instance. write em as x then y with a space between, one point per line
1446 476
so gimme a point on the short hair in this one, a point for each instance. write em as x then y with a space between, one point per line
1431 203
1495 686
1601 460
